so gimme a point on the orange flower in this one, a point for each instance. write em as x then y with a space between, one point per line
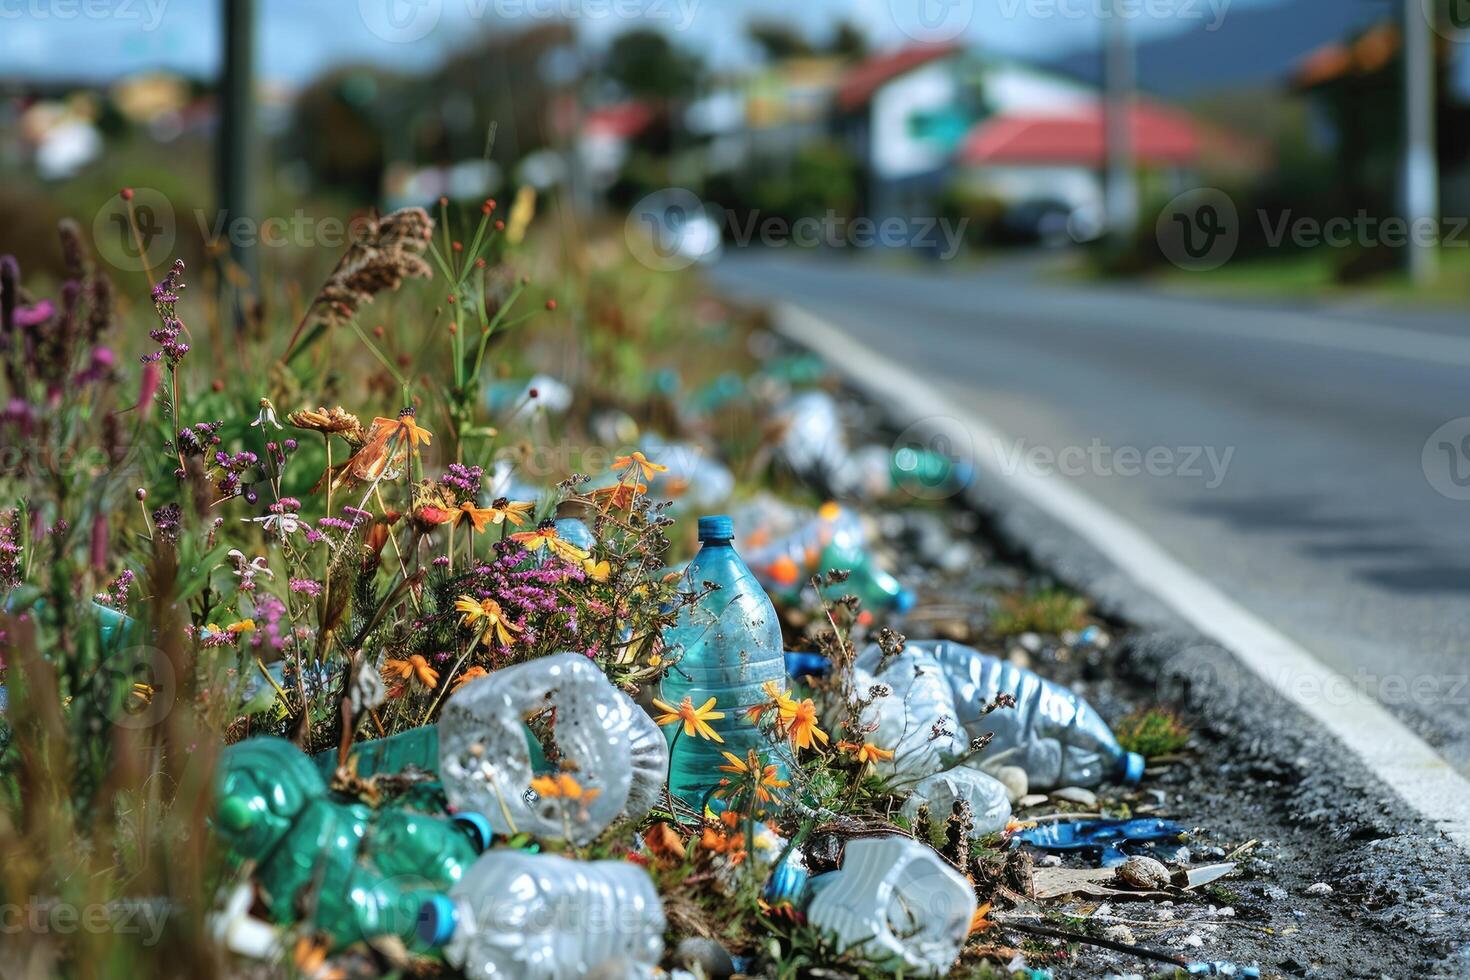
695 720
415 668
664 841
637 459
619 496
564 786
545 536
468 676
764 778
800 722
404 427
777 701
500 511
486 611
979 921
865 752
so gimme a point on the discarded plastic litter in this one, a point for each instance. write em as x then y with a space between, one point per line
517 397
990 807
1107 838
487 760
1052 733
367 871
832 538
535 916
895 897
726 647
695 480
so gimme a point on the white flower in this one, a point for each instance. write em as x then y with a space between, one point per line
267 415
285 523
244 568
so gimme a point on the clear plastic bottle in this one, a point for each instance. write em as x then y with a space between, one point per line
1051 733
545 917
789 555
728 645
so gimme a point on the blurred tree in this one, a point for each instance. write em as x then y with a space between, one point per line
778 40
645 64
848 41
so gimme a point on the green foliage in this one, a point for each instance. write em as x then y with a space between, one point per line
1051 611
1152 732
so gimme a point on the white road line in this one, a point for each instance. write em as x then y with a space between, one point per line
1401 759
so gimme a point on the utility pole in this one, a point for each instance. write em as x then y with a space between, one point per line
1121 187
1420 165
235 141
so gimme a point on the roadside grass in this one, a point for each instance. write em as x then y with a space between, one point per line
1049 611
1152 732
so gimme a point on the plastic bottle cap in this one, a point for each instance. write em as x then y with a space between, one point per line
479 829
717 527
436 920
235 815
1132 767
904 601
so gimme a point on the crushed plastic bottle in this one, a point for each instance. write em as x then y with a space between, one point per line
488 757
1111 840
545 917
366 872
1052 733
895 897
990 807
726 647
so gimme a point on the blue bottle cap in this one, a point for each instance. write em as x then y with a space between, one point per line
904 601
1132 768
436 920
799 665
718 527
479 829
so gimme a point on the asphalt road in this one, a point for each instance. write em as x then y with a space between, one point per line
1277 450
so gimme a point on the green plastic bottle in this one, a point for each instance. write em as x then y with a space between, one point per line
359 873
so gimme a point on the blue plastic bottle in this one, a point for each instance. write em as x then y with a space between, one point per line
728 645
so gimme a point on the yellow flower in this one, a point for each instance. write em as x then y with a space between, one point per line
765 778
545 536
243 626
598 571
479 517
489 612
469 675
695 720
866 752
636 458
800 722
415 668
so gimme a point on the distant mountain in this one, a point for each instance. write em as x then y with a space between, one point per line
1253 46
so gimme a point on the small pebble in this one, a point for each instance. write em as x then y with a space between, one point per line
1015 780
1119 934
1031 799
1320 888
1075 794
1049 861
1030 642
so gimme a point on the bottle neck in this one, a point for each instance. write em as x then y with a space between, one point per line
717 543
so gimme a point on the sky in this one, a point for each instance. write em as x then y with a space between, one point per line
297 39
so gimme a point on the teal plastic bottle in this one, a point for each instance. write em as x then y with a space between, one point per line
728 645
